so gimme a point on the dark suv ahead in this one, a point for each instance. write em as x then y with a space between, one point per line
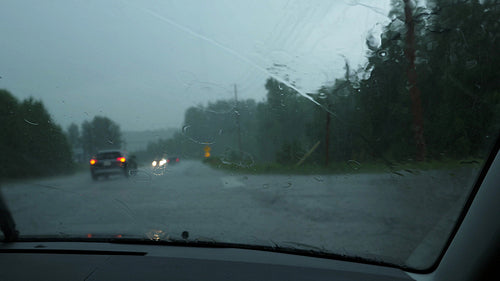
108 162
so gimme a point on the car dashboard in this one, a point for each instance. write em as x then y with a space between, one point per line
110 261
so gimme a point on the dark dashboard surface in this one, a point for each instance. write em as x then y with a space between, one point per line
102 261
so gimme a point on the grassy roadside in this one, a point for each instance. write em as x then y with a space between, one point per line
348 167
71 170
80 167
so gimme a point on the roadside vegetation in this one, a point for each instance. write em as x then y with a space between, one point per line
349 167
428 98
31 143
91 136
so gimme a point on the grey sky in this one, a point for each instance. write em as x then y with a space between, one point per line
142 63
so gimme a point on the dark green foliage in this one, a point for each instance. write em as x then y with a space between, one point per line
461 77
369 115
290 153
31 144
284 118
457 74
216 126
99 134
74 135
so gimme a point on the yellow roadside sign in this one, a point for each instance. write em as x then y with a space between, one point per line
207 151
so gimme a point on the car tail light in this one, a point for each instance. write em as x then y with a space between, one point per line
176 159
168 160
121 159
93 161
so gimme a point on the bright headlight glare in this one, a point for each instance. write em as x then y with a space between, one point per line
154 163
163 162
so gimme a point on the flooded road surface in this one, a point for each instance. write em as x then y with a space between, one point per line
371 215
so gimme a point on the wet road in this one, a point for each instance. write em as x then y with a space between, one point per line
386 216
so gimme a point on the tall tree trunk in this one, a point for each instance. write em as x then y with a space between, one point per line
418 122
327 139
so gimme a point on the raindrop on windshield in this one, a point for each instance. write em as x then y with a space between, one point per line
31 123
320 179
408 86
155 235
383 54
353 164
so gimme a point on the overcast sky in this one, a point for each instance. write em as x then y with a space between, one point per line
142 63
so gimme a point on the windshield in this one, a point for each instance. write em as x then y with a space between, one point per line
352 129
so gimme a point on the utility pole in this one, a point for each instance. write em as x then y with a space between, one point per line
238 121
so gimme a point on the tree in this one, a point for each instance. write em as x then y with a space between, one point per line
99 134
283 119
437 65
414 91
73 134
462 68
30 139
457 68
10 137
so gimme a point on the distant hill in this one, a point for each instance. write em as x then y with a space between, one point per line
138 140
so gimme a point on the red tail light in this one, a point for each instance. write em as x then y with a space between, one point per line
168 160
93 161
121 159
177 160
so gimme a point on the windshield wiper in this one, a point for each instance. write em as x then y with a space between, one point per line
7 224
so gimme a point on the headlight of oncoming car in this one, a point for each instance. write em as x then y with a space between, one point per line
154 163
163 162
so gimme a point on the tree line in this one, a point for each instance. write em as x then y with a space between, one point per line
100 133
31 143
429 91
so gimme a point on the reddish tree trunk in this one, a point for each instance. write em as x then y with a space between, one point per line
418 122
327 138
